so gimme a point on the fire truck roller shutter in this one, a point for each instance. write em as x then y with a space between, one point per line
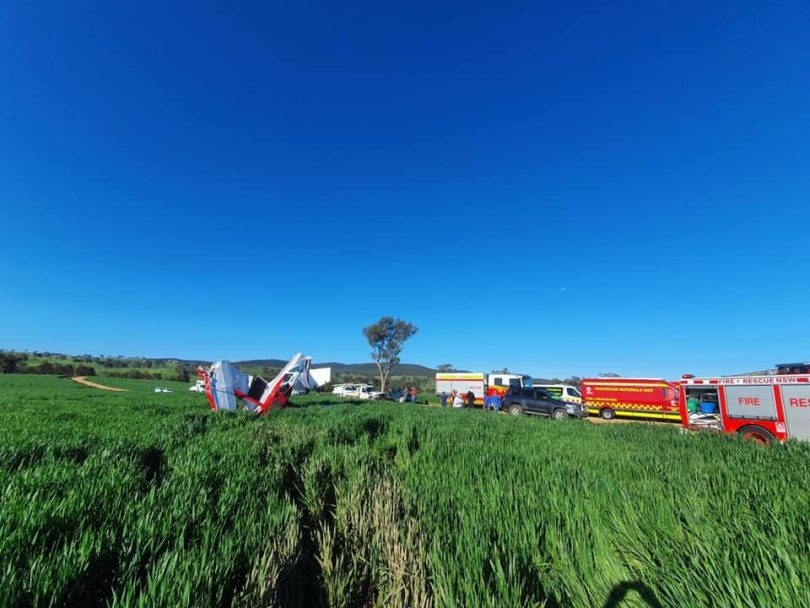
752 402
796 403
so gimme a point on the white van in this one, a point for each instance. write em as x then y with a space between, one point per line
563 392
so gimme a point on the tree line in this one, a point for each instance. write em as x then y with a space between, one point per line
12 362
15 363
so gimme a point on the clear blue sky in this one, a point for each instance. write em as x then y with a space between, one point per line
618 187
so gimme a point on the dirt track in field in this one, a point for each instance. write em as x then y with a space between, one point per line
86 382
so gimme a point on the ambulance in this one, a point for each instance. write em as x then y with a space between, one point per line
650 398
764 408
563 392
480 383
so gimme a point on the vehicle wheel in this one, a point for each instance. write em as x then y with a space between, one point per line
559 414
607 413
516 410
757 434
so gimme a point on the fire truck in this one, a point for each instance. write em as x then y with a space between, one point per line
652 398
764 408
480 383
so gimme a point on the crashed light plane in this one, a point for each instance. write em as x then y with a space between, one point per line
224 384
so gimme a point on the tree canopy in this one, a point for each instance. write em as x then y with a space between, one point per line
386 338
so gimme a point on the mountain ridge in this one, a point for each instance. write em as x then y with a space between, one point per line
402 369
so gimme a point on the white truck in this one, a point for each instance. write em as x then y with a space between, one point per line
367 391
357 391
342 389
479 383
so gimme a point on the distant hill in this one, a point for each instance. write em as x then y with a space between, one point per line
403 369
259 363
167 366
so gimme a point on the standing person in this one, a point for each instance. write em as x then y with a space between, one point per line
413 395
496 402
470 399
443 397
457 400
490 392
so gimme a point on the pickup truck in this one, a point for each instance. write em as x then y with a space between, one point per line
368 392
362 391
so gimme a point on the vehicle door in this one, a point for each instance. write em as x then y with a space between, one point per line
574 393
531 401
671 401
513 397
544 403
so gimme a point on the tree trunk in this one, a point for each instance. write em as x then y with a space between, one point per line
382 377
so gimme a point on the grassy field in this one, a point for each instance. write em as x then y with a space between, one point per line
144 499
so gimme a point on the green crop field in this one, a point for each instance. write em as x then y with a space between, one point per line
144 499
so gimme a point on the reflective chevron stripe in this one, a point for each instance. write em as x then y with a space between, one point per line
625 406
640 414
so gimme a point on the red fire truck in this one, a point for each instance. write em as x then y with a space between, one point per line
764 408
651 398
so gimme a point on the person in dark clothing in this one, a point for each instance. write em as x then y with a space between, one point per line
443 397
470 399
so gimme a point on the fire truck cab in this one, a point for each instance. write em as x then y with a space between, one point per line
764 408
